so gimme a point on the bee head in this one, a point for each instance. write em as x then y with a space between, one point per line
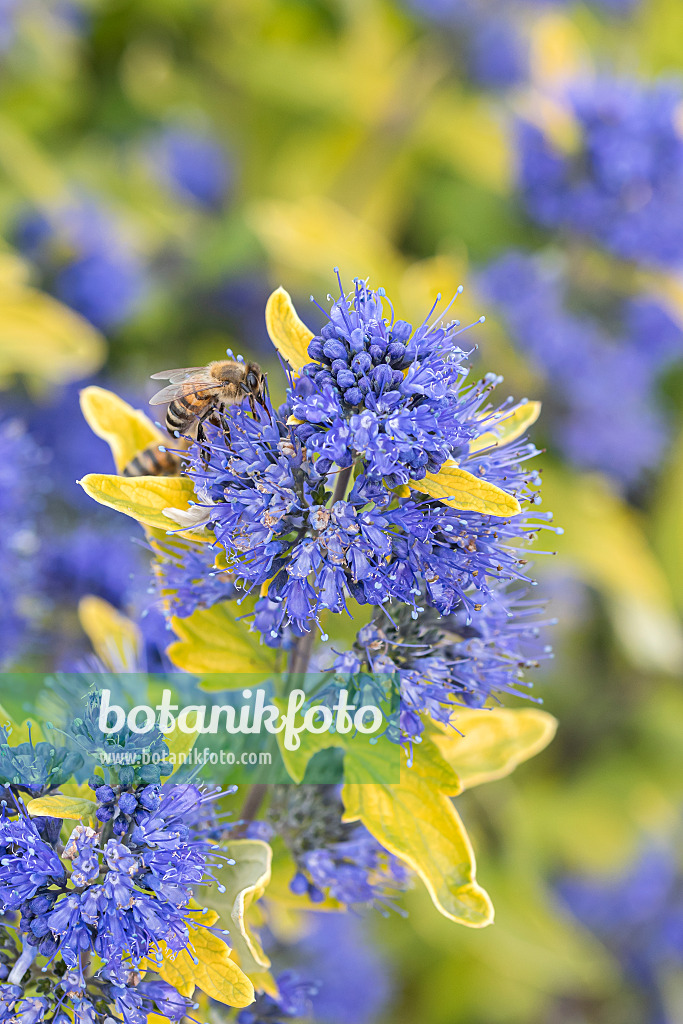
254 378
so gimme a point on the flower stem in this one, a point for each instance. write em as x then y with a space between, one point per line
343 477
28 955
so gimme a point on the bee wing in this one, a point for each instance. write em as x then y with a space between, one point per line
175 376
200 381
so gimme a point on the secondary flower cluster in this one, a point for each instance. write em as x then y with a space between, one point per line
623 184
333 859
441 660
605 415
117 897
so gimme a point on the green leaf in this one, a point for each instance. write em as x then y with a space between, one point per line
245 882
206 964
145 498
296 761
212 641
126 430
417 822
462 490
288 333
62 807
506 428
116 640
483 744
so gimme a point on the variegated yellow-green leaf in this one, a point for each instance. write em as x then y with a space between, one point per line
246 882
485 744
605 544
43 339
462 490
310 743
20 732
115 639
212 641
417 822
62 807
125 429
144 498
507 428
288 333
207 967
179 743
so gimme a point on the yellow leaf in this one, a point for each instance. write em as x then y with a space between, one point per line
211 640
116 640
23 732
62 807
417 822
125 429
43 339
558 51
179 743
507 428
462 490
491 743
206 964
246 882
605 544
288 333
144 498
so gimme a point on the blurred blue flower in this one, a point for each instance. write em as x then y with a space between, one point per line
293 1001
497 55
638 915
602 388
86 260
8 12
352 978
194 165
22 465
623 186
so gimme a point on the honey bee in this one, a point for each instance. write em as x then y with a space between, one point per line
194 395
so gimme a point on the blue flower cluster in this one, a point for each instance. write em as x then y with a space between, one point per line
292 1001
639 917
333 859
194 165
602 387
118 893
494 46
21 468
390 405
439 662
623 185
85 259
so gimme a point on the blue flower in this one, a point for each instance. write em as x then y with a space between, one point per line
623 186
27 862
293 1000
21 468
353 982
604 404
393 403
36 767
89 263
195 165
333 858
638 915
437 662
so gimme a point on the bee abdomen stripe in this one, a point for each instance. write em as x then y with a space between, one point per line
134 467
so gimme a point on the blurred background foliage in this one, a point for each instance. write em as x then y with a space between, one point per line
165 163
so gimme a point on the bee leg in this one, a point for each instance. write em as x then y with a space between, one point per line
201 437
